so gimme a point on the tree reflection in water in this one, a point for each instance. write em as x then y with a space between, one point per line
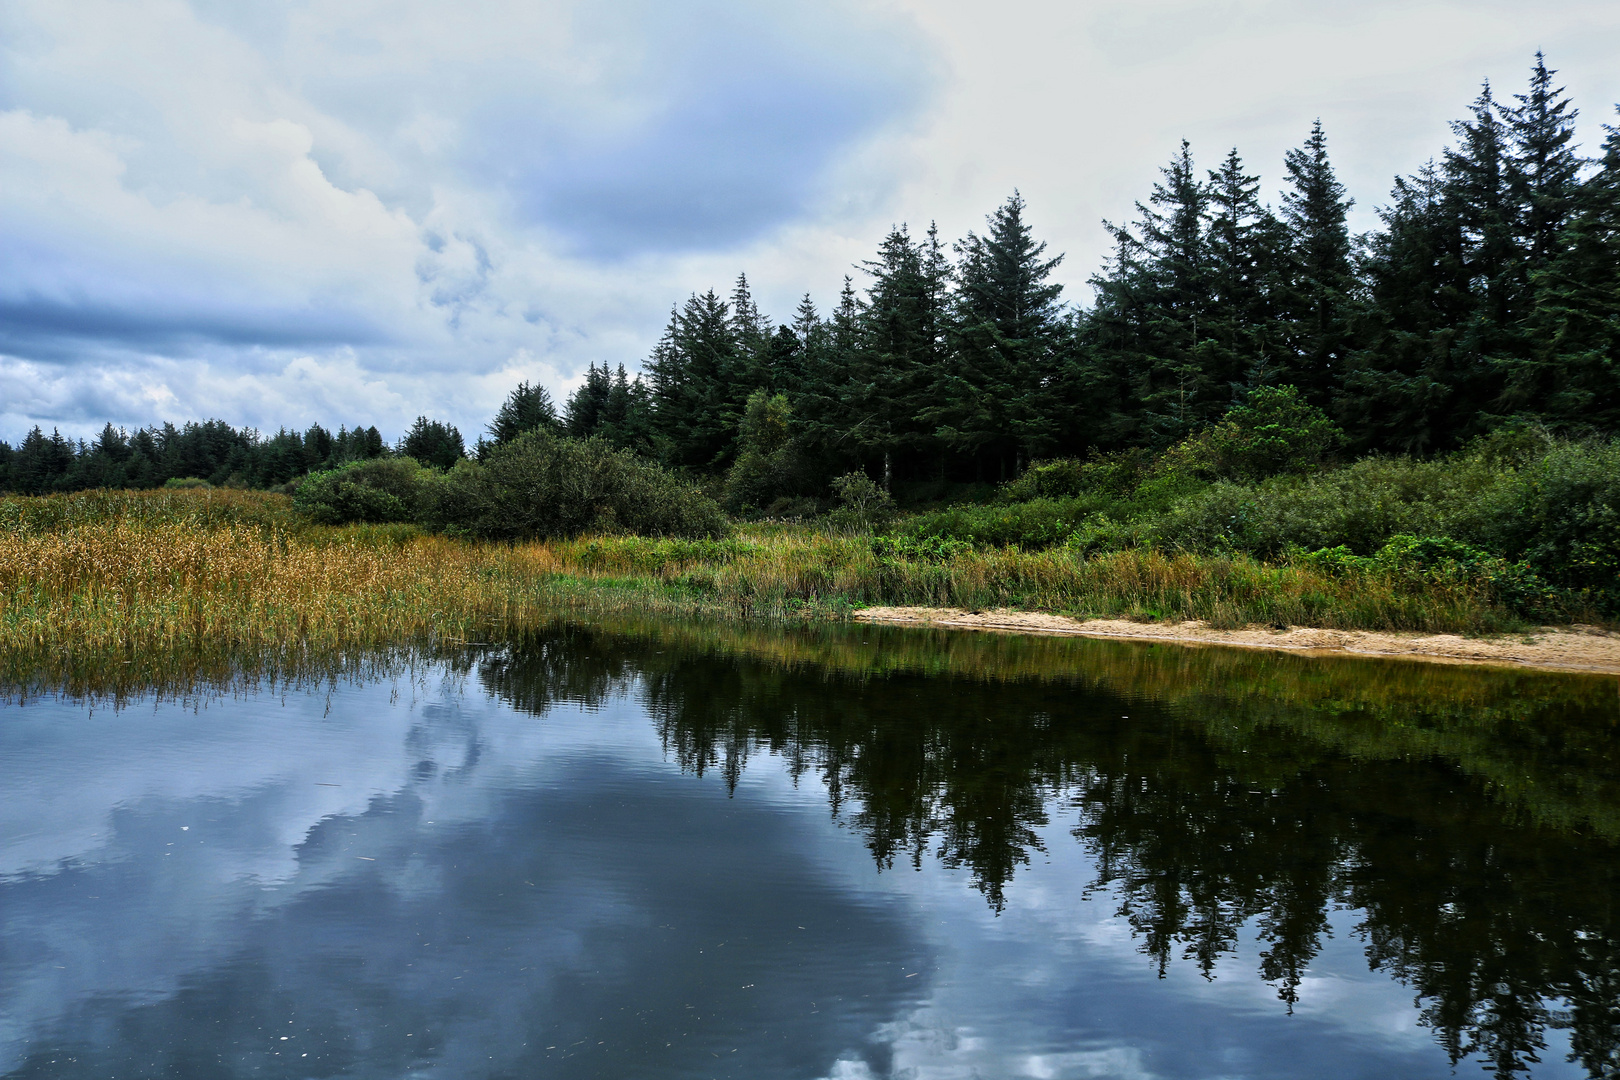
1469 816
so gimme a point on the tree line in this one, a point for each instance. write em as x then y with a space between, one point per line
1488 294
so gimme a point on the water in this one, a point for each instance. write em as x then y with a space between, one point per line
705 852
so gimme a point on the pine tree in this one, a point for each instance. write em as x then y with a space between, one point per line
1576 324
901 335
1321 285
1477 184
525 409
698 385
1543 169
1006 325
438 444
586 409
1409 388
1153 329
751 332
1542 175
1244 241
41 462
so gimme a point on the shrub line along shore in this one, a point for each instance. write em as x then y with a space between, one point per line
1553 648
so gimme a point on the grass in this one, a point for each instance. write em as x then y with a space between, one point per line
146 573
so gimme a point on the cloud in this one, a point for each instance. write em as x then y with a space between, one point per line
417 188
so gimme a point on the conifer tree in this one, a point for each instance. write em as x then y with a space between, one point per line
1006 326
1477 184
1543 169
1409 387
1243 244
1576 323
1321 282
525 409
1543 174
438 444
698 385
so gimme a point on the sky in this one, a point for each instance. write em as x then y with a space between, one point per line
362 211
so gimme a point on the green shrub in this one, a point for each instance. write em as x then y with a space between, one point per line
1099 476
1035 524
769 467
1360 506
378 490
932 549
1561 515
542 485
185 483
1421 562
863 506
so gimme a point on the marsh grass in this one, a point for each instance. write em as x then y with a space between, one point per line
145 574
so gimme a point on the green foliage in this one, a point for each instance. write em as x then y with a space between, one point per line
769 465
1114 475
1424 562
543 485
526 408
1034 524
383 490
1561 515
862 504
185 483
433 443
934 549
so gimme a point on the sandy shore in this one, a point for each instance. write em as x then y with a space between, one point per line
1567 648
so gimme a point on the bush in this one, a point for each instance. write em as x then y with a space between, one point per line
1561 515
1273 433
1360 506
185 483
1035 524
379 490
770 467
931 549
862 505
542 485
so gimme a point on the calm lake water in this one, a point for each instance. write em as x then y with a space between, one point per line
850 852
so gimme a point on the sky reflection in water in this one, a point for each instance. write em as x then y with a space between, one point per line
578 859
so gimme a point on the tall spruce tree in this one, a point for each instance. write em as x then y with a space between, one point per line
1006 327
1409 388
1543 181
527 408
1153 328
1478 187
902 345
1321 284
1243 246
699 385
1576 324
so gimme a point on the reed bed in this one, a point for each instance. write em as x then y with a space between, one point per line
149 573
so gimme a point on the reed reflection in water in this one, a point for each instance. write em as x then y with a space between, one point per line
1042 857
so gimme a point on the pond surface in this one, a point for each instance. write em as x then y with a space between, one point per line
849 852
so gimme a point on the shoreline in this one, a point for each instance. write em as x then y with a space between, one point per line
1550 648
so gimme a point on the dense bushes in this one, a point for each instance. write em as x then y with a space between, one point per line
1561 515
544 485
538 485
1531 523
385 489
